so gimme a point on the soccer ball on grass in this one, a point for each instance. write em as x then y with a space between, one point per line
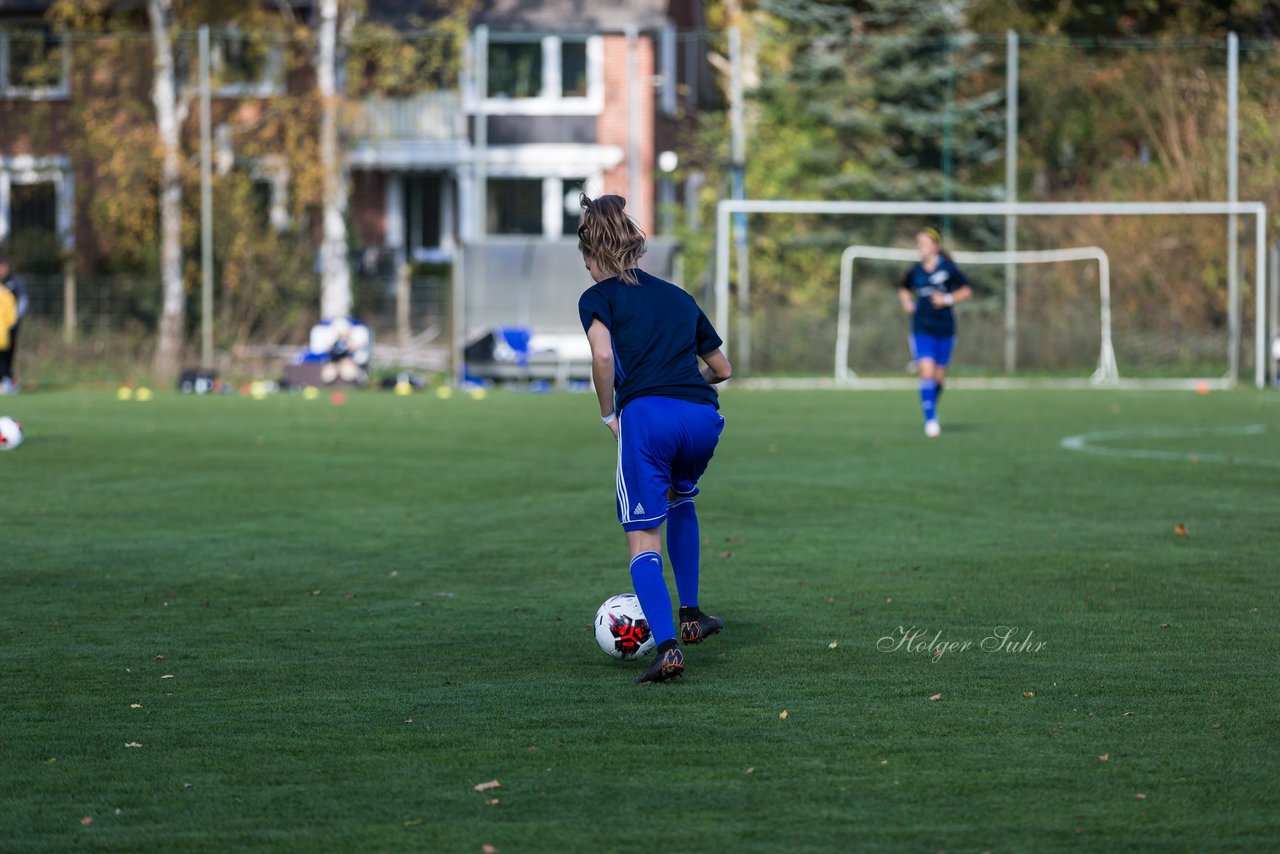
621 628
10 433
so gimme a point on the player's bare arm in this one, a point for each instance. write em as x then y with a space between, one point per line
908 300
715 368
602 371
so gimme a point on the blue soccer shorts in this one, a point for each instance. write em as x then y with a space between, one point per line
932 347
663 443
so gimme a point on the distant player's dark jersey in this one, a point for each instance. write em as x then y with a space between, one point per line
658 334
945 278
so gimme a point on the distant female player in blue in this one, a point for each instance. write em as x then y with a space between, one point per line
647 336
928 291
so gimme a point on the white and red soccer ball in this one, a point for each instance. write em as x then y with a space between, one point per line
621 628
10 433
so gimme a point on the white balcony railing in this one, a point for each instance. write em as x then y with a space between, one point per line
428 117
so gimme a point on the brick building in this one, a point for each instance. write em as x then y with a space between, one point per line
577 95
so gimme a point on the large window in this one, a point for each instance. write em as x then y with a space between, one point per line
33 208
33 62
550 74
241 64
36 201
573 68
545 207
572 214
33 226
270 176
514 206
515 69
423 225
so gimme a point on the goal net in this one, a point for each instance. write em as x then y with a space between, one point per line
1106 371
1148 300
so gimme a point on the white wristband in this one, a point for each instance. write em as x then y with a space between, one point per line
609 419
949 299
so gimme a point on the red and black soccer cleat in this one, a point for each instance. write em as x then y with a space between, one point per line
695 630
666 665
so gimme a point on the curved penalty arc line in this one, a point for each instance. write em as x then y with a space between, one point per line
1084 443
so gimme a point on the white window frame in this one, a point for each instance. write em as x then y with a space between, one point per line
551 102
552 197
402 217
273 170
518 177
547 161
24 169
269 169
555 204
59 91
270 82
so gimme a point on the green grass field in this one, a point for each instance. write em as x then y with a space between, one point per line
322 626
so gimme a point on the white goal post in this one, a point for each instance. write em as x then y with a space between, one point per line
727 208
1107 370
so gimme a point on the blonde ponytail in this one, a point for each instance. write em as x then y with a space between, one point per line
611 238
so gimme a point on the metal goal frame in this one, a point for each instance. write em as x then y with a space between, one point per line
728 207
1107 371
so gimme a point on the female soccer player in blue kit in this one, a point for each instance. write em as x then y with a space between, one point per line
646 337
928 291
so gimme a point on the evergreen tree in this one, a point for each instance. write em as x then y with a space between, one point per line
899 96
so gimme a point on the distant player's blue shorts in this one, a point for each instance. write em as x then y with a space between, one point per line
932 347
663 443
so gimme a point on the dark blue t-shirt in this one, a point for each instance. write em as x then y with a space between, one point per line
658 334
946 278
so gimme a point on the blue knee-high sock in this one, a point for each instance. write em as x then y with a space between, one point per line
929 399
655 600
683 548
937 396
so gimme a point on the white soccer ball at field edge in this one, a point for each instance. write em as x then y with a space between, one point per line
621 628
10 433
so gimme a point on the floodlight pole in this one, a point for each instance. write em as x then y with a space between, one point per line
633 136
948 135
206 207
739 160
1233 196
479 199
1011 195
480 166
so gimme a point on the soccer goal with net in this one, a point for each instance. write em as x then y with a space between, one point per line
1107 369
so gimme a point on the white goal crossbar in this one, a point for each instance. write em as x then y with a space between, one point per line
727 208
1107 370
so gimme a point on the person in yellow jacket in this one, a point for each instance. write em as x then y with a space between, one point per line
8 317
13 305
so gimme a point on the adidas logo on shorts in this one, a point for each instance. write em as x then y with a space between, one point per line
639 508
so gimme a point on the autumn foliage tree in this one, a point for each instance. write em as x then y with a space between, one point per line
1119 104
269 182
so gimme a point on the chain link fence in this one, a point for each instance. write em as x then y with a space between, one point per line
1131 120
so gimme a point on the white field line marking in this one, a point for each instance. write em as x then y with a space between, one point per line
973 383
1084 442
